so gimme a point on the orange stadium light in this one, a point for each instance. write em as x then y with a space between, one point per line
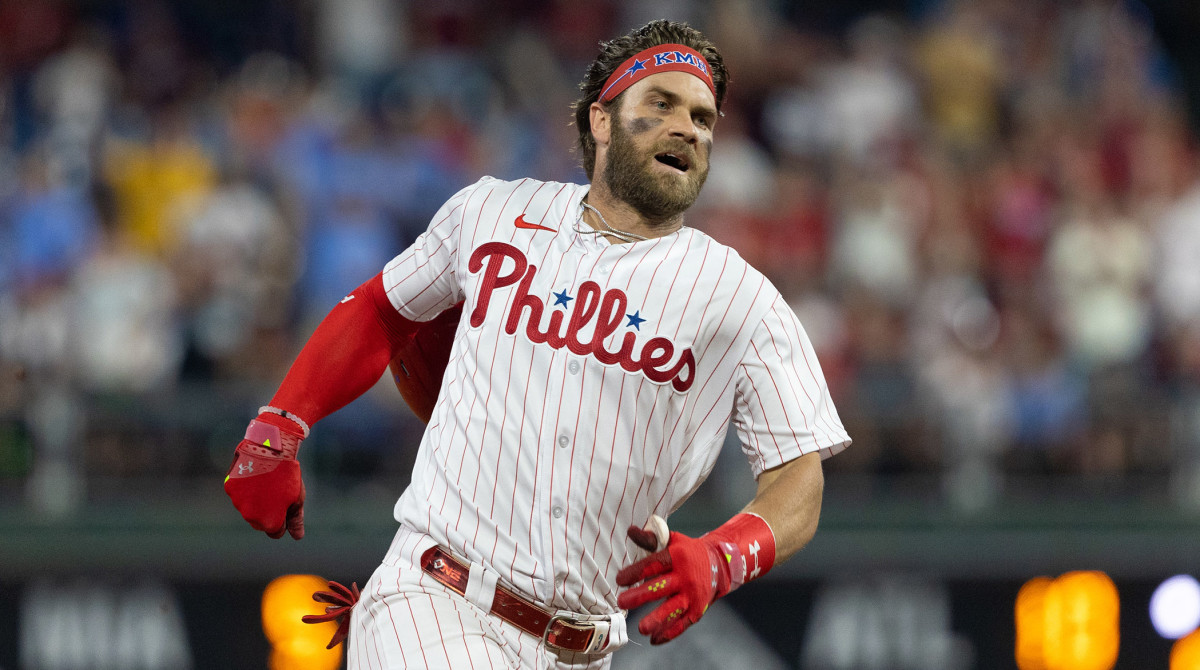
1185 653
296 645
1068 623
1031 624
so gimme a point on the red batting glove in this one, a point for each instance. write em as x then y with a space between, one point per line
340 601
264 481
690 573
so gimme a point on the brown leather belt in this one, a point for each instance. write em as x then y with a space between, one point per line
554 629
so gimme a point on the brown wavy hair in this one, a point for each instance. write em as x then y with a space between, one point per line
617 51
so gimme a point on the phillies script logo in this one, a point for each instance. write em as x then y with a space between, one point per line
603 309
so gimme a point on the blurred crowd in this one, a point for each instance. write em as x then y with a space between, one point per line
986 214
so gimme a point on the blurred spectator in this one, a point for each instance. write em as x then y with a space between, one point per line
883 406
1100 263
1047 400
75 89
30 31
157 68
262 104
742 176
875 235
353 235
53 224
1177 262
965 382
530 136
1177 289
959 59
955 330
860 108
233 268
871 102
1018 208
126 337
360 41
160 181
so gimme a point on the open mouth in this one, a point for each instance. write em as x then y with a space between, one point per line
674 160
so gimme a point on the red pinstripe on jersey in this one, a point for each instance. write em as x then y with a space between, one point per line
492 479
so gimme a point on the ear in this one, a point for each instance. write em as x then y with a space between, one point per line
601 122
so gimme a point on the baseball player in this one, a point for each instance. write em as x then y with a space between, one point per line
599 349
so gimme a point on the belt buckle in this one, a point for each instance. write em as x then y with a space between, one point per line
550 624
568 620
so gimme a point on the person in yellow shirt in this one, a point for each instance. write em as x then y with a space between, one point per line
158 182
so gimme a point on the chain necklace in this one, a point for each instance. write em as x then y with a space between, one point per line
619 234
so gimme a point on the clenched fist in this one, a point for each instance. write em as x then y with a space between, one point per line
264 481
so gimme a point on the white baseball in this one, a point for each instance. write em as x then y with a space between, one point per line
658 526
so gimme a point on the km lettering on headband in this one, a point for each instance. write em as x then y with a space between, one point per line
662 58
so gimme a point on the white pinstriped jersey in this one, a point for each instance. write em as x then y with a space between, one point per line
590 384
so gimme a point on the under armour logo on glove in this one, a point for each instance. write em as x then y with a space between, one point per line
246 468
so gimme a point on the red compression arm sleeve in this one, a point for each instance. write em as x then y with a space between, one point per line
346 355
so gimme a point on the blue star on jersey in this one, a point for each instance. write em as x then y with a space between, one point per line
635 320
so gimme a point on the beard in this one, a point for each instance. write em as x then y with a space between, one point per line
657 196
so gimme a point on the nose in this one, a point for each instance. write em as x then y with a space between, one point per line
682 126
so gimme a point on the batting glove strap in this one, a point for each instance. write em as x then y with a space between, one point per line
735 563
290 416
269 436
748 546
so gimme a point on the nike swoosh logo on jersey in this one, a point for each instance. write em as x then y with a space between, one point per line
522 223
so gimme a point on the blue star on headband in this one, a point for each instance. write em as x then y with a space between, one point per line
637 65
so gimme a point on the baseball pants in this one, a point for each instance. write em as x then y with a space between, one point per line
407 619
